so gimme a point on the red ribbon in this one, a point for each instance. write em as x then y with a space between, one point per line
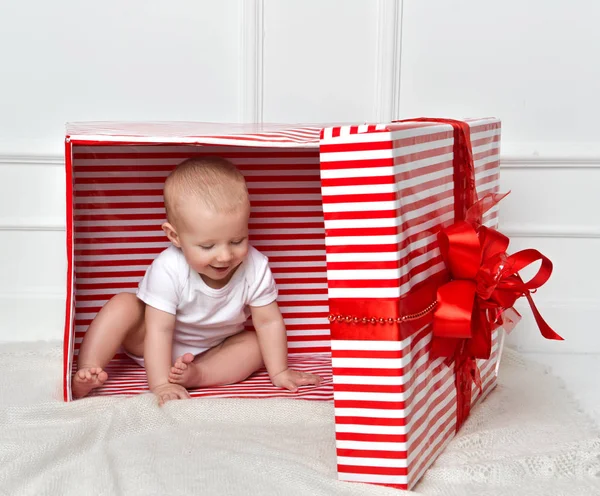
484 281
462 163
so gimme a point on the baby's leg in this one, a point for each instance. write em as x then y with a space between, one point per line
232 361
119 322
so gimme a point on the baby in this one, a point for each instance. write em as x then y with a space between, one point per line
187 320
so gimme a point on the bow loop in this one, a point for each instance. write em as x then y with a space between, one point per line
460 250
492 243
524 258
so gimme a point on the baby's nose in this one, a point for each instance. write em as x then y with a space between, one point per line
224 255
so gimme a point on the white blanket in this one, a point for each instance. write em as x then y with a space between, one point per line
528 438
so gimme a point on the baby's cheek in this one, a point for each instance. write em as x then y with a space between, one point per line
244 253
199 260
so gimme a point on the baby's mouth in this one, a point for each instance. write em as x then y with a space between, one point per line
220 269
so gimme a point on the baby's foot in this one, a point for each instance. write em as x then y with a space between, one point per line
86 379
185 372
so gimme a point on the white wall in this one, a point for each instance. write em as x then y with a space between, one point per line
530 63
533 64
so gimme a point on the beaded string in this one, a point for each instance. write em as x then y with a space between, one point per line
351 319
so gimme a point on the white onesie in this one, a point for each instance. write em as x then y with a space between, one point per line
204 316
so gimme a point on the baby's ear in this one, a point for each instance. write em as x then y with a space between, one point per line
171 234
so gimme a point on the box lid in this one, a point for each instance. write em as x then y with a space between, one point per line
279 135
231 134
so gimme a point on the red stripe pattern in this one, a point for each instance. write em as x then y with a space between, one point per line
118 210
387 191
133 381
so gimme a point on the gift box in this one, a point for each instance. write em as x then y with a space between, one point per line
386 196
362 225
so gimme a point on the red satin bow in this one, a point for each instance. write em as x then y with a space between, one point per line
484 285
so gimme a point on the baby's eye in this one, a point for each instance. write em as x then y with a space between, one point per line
238 242
206 247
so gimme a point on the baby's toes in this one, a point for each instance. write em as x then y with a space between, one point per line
102 376
314 379
175 370
174 379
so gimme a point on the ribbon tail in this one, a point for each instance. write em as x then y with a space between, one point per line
545 329
476 376
480 344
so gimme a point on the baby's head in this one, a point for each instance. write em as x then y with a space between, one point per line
208 207
212 183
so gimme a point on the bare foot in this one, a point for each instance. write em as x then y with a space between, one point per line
185 372
86 379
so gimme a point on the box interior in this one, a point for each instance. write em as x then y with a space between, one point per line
118 211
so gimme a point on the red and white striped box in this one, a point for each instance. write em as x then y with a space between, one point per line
348 216
387 192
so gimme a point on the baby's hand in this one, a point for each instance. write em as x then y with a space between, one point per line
291 379
168 391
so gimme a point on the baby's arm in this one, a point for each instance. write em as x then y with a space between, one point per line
272 340
157 355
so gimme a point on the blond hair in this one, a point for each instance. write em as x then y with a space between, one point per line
213 181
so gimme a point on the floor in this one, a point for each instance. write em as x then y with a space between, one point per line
581 375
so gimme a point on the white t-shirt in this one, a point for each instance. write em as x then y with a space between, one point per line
205 316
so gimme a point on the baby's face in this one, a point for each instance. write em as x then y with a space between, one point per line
214 243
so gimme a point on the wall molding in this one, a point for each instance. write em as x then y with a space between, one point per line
254 108
557 162
48 294
8 160
514 230
251 64
386 106
31 225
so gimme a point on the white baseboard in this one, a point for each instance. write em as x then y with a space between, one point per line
32 316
